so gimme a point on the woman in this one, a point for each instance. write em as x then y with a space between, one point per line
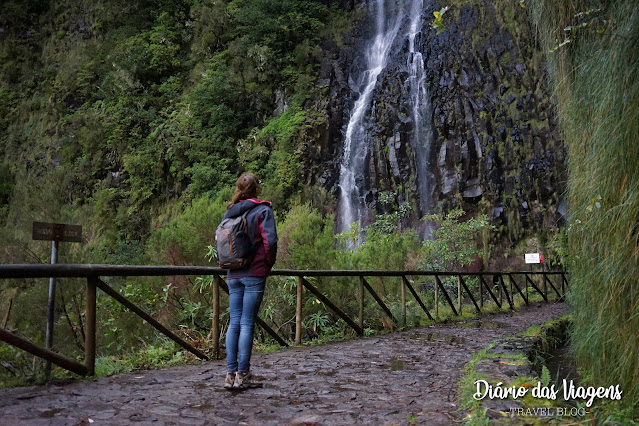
246 285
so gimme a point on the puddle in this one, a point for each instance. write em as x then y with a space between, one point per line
50 413
438 338
479 324
201 406
396 364
561 365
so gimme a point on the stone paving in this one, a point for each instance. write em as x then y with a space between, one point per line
393 379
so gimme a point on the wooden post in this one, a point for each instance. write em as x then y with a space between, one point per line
403 295
416 296
90 335
509 297
514 283
532 283
8 314
379 300
215 325
481 293
511 292
544 278
564 281
459 294
322 298
361 302
298 312
446 296
148 318
470 294
490 292
436 297
32 348
51 309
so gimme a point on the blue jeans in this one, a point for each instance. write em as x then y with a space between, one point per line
245 297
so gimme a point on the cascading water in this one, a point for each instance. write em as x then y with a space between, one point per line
352 206
422 111
358 141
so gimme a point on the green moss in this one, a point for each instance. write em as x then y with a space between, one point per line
339 25
488 355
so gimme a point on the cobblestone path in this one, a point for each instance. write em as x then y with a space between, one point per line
381 380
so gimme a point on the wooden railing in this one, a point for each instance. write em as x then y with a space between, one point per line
506 284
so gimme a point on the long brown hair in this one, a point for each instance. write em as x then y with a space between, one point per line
247 186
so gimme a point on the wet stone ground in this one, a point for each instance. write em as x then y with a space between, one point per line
403 377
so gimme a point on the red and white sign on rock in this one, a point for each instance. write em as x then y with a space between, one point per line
534 258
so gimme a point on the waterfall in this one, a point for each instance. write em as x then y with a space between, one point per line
422 111
358 141
352 205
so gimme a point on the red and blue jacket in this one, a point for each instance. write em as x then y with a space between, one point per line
261 224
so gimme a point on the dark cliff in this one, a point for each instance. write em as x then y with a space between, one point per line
496 147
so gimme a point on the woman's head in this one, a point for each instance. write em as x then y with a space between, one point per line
247 186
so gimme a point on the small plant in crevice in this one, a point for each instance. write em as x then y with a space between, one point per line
438 21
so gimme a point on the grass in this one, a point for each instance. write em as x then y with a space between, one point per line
467 388
596 83
468 311
162 354
605 412
476 413
166 354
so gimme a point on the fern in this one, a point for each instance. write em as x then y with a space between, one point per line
545 376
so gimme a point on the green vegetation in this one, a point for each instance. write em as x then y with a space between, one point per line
125 109
479 368
545 338
438 22
306 242
165 354
133 120
594 62
476 413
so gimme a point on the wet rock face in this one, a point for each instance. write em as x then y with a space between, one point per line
494 117
496 146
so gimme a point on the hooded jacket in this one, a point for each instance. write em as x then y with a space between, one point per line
261 224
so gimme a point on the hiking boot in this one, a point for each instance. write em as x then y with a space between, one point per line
230 380
245 381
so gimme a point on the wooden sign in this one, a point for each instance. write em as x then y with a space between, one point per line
57 232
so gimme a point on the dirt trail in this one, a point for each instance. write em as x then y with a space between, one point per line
390 379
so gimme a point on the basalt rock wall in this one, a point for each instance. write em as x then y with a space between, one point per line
496 147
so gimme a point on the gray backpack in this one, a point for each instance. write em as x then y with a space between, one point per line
235 248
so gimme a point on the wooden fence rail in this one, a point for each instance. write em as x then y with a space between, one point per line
92 273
